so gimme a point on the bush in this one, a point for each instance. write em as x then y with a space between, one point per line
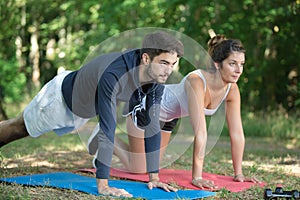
277 123
12 82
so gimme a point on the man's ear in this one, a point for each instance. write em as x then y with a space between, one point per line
145 58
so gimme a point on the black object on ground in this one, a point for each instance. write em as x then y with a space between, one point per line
279 193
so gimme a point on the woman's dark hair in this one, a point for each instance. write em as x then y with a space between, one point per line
219 48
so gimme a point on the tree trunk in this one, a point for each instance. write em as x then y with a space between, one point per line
3 114
35 55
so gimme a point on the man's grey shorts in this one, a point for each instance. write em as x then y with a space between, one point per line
48 111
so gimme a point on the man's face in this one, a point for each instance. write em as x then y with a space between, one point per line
161 67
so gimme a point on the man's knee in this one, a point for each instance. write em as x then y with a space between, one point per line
14 129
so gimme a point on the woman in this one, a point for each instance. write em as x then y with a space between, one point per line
200 93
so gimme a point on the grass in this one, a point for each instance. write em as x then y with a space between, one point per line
267 159
277 124
272 154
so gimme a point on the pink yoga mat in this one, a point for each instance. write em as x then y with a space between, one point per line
183 178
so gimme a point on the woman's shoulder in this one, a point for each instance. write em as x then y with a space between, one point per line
196 79
233 87
196 75
233 92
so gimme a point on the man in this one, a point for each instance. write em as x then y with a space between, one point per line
71 98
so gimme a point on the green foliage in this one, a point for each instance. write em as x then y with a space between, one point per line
68 30
11 82
297 101
276 124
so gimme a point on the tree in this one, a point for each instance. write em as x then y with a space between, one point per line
44 36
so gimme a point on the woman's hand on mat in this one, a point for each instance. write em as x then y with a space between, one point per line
242 178
161 185
202 183
103 188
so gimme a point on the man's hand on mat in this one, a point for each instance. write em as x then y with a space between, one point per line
242 178
202 183
161 185
104 189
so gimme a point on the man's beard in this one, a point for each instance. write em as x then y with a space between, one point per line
150 73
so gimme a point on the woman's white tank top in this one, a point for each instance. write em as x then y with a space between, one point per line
174 102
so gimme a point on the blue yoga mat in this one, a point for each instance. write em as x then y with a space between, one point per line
86 184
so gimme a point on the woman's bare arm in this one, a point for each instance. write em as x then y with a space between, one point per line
234 122
237 138
194 88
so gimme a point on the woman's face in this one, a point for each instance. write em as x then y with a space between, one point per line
232 67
